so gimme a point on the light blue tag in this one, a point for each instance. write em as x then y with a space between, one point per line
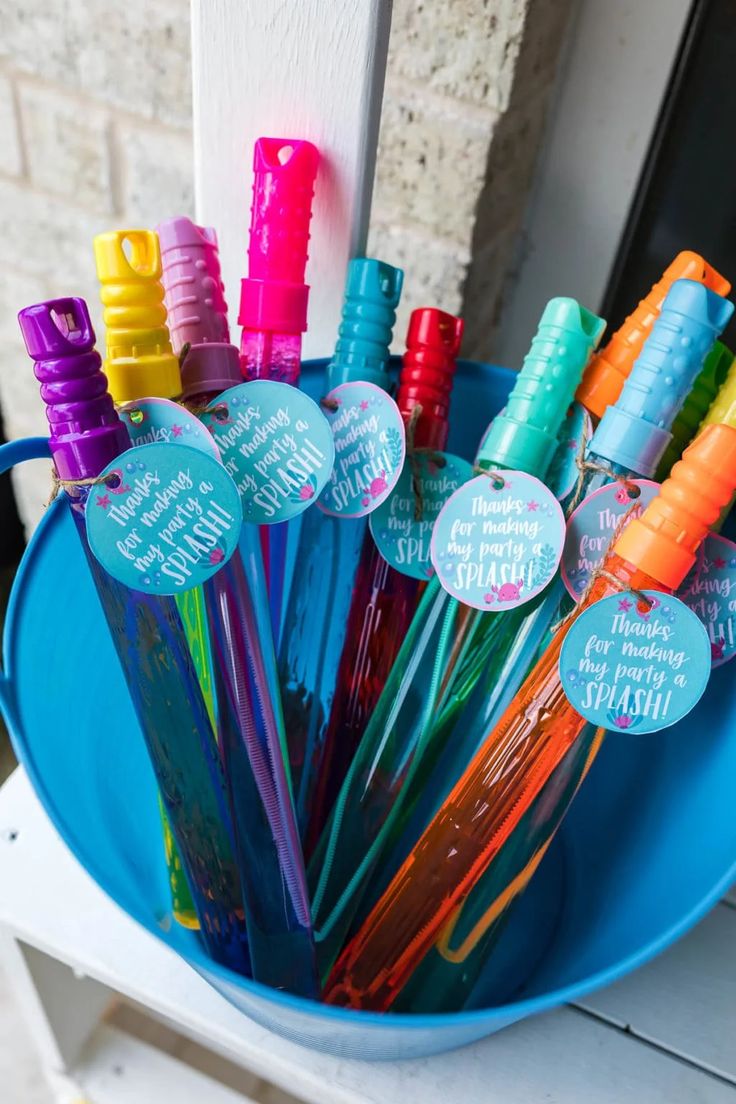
401 538
276 444
160 421
626 666
498 540
370 448
711 594
592 526
574 435
167 518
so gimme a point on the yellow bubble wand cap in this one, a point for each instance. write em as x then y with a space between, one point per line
139 360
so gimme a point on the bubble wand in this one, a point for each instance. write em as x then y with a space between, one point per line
86 435
384 599
250 726
274 297
327 549
139 361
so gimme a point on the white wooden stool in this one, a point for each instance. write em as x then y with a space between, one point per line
664 1035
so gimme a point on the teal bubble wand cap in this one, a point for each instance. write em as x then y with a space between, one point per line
372 293
524 436
635 431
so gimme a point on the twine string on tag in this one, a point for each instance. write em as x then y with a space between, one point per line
496 477
619 585
329 404
58 484
198 409
584 466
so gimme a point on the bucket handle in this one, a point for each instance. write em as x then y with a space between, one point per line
16 452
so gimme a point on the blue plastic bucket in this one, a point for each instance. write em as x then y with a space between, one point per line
648 847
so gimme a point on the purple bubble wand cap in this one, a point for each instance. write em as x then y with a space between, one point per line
85 430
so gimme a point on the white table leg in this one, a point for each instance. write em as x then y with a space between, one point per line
60 1007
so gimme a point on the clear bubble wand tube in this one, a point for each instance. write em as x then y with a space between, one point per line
250 726
274 297
140 362
86 435
328 549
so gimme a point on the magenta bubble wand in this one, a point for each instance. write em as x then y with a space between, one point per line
274 296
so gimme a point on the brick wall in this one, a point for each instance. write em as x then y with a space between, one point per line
95 132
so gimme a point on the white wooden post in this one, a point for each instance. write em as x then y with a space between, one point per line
290 69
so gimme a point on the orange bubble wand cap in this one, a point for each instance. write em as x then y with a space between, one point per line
663 542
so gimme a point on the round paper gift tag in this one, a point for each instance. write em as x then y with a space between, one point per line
276 444
160 421
574 435
629 665
166 518
369 449
498 540
592 525
711 594
402 538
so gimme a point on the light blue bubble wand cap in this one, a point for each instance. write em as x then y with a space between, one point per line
635 431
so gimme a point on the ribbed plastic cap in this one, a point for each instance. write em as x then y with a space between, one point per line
57 328
114 265
635 432
664 540
139 360
85 430
608 371
427 373
723 407
274 296
209 369
524 436
192 280
372 293
696 406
